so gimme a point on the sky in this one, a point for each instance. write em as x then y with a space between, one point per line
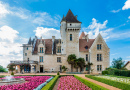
22 19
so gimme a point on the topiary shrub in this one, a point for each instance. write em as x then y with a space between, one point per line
12 73
58 73
104 72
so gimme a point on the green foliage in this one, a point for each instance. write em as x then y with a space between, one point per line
51 84
1 76
71 60
11 67
58 73
64 68
122 73
92 85
81 62
120 85
105 72
12 73
2 69
117 63
114 71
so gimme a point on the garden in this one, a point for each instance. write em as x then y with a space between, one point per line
66 82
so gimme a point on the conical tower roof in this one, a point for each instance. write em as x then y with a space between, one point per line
82 35
70 18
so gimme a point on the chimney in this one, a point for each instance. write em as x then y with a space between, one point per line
53 38
87 37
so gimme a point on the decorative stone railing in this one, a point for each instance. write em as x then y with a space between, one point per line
24 62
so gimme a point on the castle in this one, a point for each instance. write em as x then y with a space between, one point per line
49 55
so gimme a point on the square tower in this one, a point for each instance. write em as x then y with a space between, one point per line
70 28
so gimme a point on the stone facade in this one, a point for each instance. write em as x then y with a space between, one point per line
51 54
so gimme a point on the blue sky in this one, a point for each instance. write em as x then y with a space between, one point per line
21 19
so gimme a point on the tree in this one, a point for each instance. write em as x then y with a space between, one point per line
81 63
71 60
117 63
64 68
11 67
89 66
2 69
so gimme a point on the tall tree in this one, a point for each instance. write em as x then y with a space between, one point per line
11 67
117 63
2 69
81 63
71 60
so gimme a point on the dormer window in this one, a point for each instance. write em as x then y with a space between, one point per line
70 37
41 49
86 47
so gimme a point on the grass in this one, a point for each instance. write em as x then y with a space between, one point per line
117 84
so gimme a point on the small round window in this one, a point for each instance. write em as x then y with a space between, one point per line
70 24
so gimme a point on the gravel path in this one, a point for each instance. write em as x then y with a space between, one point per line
99 83
56 85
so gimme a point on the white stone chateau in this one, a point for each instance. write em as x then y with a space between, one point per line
49 55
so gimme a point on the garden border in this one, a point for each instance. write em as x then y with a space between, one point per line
90 84
110 82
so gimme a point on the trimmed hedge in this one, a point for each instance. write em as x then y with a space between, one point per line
120 85
122 73
51 84
91 85
105 72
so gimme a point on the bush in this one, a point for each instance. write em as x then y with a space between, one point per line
110 82
58 73
51 84
114 71
104 72
12 73
91 85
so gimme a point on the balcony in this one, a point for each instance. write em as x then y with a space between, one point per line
24 62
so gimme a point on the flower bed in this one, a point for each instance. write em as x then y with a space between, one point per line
32 83
71 83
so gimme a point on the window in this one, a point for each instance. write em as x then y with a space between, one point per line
99 57
70 24
41 58
25 54
28 59
70 37
99 46
86 57
59 59
41 49
59 49
86 47
99 67
27 48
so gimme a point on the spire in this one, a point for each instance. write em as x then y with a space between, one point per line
29 42
82 35
71 18
63 19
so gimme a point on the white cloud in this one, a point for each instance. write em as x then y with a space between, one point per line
95 28
9 48
47 32
7 33
127 5
115 11
129 17
3 10
43 18
128 57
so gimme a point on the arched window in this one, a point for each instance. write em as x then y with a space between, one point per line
70 37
